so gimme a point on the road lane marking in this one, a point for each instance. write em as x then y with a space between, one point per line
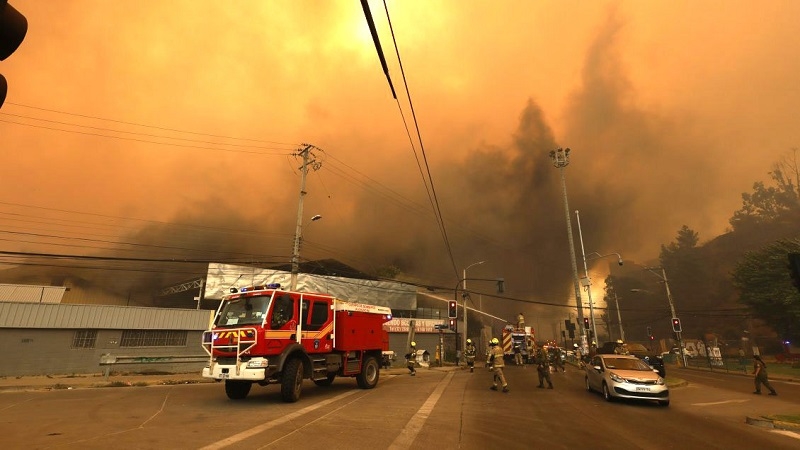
791 434
413 427
267 425
719 403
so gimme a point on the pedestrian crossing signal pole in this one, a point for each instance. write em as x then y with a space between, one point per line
676 322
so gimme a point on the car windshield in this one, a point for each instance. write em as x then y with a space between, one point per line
244 311
626 364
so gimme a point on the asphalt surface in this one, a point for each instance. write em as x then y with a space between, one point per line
49 382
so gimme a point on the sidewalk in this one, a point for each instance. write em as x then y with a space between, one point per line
52 382
99 380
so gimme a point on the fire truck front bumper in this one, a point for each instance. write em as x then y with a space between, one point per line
256 369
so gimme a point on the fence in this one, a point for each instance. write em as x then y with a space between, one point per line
721 364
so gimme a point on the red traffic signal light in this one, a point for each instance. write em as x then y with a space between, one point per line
452 309
586 323
676 325
13 27
453 324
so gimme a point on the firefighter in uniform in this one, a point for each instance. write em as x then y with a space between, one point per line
411 358
470 353
578 355
543 369
517 355
557 362
495 363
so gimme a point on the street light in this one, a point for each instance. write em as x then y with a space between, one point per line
500 289
464 288
588 283
663 277
560 158
296 251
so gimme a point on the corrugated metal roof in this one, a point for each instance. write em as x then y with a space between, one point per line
30 293
46 315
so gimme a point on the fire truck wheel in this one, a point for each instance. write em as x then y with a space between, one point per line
368 378
237 390
327 381
292 380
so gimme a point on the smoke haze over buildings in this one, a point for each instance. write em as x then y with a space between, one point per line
671 112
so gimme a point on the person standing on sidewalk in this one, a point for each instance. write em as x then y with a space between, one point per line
496 364
760 370
742 360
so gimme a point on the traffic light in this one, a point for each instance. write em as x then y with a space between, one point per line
676 325
13 27
794 269
453 324
586 323
452 309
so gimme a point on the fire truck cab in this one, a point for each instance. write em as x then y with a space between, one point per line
266 335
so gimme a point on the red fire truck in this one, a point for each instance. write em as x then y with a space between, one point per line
266 335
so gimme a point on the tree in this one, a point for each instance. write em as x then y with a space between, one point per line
688 271
764 284
767 204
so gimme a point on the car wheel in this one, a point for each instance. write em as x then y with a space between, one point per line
588 388
663 402
606 393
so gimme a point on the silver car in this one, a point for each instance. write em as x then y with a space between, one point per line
625 376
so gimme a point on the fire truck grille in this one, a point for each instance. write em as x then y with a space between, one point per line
226 360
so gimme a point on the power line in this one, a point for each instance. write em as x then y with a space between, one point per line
429 185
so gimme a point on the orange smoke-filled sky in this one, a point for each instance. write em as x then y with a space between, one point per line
123 118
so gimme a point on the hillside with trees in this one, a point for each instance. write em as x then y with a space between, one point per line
733 286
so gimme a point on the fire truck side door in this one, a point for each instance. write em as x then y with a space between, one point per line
283 315
316 316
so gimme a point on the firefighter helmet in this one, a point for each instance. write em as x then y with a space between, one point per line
495 341
469 341
413 344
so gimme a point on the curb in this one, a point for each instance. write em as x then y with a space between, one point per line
763 422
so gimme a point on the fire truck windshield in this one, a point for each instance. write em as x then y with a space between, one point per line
244 311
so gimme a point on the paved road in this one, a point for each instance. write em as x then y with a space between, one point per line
437 408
